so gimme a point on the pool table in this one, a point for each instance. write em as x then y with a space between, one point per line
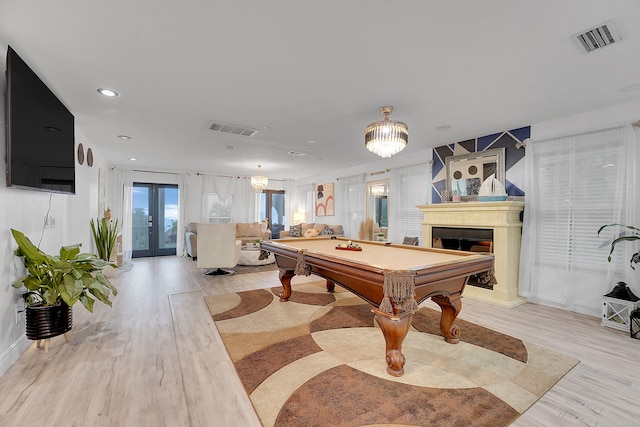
393 278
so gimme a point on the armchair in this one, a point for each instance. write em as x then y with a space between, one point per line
218 249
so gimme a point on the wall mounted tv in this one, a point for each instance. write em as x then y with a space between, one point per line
40 133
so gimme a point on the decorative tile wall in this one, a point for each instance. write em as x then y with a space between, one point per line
514 159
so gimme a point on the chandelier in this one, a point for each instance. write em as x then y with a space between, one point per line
259 183
387 137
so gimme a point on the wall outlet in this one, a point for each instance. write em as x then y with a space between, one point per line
49 221
20 309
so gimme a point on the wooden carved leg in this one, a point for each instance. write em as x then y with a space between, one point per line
285 280
330 286
450 309
394 328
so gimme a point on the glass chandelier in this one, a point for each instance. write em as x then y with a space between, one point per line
387 137
259 182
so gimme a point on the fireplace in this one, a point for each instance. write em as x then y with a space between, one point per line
466 239
493 227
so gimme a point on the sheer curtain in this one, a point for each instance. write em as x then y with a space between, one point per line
352 204
183 213
409 188
120 186
575 184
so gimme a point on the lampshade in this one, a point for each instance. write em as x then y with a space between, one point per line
259 182
298 216
387 137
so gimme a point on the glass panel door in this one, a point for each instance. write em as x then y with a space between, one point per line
272 208
154 219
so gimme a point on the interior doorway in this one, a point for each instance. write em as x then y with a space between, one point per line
154 219
272 208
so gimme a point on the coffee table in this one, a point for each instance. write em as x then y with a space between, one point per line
251 256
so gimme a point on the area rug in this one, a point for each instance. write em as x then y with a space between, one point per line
242 269
318 360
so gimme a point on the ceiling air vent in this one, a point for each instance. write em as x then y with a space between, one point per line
597 37
234 129
296 153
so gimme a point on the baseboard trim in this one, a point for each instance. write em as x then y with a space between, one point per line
10 355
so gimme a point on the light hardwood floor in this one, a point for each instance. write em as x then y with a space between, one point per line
155 359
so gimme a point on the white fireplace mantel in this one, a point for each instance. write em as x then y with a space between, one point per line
504 219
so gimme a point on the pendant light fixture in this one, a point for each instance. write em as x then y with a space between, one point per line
387 137
259 182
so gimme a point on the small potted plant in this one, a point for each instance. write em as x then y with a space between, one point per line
105 233
55 283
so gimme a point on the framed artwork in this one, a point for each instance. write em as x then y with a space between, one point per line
324 200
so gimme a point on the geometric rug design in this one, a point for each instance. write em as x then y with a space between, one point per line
319 359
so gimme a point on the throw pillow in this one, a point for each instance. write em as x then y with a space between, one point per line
305 227
241 229
253 230
326 231
413 241
312 232
295 230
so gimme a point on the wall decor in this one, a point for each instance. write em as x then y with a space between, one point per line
324 200
466 172
512 141
89 157
80 153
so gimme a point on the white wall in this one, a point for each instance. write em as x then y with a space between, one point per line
25 210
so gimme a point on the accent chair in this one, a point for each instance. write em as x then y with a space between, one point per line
218 248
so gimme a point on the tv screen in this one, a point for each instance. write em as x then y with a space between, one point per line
40 133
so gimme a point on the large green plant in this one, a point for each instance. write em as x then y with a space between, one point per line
105 233
70 277
634 234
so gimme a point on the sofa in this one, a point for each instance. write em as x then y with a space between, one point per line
305 230
245 232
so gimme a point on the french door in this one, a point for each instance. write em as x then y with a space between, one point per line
154 219
272 208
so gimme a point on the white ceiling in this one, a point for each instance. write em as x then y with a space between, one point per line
302 71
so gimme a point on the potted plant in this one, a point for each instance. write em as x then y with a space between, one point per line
634 234
105 233
55 283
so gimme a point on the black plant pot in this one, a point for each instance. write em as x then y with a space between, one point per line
48 321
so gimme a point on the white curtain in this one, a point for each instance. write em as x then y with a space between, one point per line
352 204
246 207
291 202
409 188
120 186
575 184
183 213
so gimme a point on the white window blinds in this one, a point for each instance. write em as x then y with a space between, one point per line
575 185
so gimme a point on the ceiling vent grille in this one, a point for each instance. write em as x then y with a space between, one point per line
233 129
597 37
296 153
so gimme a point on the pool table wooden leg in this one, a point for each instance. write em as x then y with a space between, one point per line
450 307
330 286
394 328
285 280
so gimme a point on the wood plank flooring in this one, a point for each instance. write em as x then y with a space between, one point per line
155 359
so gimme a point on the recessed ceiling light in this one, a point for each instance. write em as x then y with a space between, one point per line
133 159
311 141
108 92
124 137
631 88
443 127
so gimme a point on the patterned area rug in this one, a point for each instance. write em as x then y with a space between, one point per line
319 360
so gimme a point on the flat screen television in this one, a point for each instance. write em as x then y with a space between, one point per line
40 133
